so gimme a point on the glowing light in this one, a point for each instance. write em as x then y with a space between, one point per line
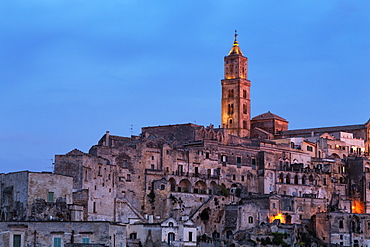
277 217
358 207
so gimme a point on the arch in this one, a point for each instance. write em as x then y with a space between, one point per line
296 179
287 179
229 233
200 187
212 188
204 215
184 186
173 184
336 156
250 219
215 234
310 179
281 178
304 179
170 238
2 216
231 93
288 219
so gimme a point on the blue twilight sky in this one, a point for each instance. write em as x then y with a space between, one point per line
70 70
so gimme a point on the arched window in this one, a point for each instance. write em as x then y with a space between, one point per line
281 178
296 179
231 93
287 179
171 238
304 179
170 224
244 108
250 219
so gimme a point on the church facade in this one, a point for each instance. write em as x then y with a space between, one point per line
250 182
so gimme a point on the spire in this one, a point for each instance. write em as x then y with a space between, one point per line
235 49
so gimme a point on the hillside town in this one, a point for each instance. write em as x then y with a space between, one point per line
251 181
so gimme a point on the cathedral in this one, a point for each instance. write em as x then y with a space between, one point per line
250 182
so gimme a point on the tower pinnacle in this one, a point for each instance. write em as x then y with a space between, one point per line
235 50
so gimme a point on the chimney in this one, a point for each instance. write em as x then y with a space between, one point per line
107 138
151 219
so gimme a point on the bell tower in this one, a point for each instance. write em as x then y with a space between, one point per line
235 103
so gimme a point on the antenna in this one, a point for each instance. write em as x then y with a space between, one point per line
132 129
52 165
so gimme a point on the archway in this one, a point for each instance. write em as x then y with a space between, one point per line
200 187
184 186
173 184
170 238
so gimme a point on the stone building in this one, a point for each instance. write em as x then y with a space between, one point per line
187 184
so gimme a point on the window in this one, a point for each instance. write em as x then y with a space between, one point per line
207 155
50 196
244 124
309 148
171 238
17 240
253 163
244 108
190 236
340 223
86 240
163 187
57 242
133 235
94 207
128 177
152 166
242 178
244 93
239 161
234 177
152 157
250 219
99 171
170 224
224 158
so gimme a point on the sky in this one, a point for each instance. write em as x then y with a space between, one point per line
71 70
